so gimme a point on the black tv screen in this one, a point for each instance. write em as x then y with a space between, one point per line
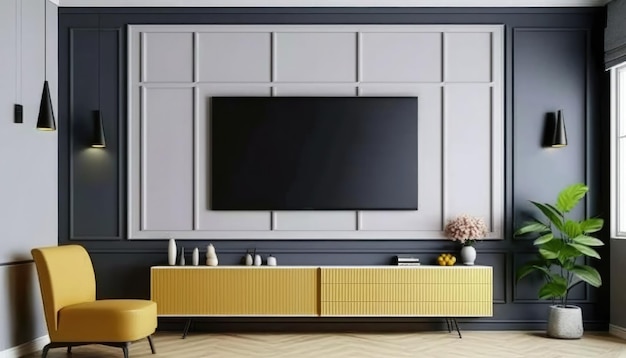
313 153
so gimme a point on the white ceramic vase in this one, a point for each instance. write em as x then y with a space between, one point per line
468 255
195 257
171 252
257 260
211 256
271 260
248 260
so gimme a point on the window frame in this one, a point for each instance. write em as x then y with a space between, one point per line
617 111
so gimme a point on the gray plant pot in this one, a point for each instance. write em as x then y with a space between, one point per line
565 322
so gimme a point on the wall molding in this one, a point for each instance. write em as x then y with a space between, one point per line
330 3
617 331
27 348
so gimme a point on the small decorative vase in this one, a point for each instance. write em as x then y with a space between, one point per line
468 255
171 252
195 257
181 260
247 260
211 256
271 260
257 260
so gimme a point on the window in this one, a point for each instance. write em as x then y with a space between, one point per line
618 151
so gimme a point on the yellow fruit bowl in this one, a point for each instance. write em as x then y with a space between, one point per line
446 259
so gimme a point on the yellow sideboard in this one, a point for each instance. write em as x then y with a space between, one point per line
445 291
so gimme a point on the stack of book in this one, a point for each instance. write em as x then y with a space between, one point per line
401 260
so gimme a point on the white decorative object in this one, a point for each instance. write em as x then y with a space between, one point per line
211 256
248 260
468 255
257 260
271 260
195 257
171 252
565 322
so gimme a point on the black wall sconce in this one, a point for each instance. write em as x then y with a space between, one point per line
98 140
554 135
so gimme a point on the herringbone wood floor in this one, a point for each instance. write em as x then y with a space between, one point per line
329 345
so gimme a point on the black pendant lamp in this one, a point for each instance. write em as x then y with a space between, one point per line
559 136
98 131
45 120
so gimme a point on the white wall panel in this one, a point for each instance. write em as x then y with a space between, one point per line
315 57
167 57
467 154
401 57
428 216
234 57
456 71
167 159
208 219
468 57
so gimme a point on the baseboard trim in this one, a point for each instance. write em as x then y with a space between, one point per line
27 348
617 331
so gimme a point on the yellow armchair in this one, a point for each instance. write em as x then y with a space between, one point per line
73 315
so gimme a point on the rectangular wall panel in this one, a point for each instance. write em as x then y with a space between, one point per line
429 185
468 129
207 219
167 57
167 170
468 57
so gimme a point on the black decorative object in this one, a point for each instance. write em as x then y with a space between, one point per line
98 131
45 120
559 136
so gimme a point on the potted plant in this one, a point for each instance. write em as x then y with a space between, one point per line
562 243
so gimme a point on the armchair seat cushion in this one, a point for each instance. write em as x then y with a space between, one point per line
107 321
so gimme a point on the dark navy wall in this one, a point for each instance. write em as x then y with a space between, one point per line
553 60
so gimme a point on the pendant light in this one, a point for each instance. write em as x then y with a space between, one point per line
45 120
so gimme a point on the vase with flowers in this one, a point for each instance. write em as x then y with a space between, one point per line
466 230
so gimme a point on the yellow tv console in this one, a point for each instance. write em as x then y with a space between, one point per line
326 291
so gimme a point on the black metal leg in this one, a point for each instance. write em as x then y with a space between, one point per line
186 330
449 326
69 349
125 350
457 327
44 353
151 344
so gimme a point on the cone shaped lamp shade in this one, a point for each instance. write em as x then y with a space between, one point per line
45 120
559 137
98 131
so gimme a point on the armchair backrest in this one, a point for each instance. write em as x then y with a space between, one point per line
66 277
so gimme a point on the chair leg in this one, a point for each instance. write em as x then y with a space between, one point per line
151 344
69 349
44 352
125 350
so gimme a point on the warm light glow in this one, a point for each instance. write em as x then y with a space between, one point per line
45 129
558 145
98 146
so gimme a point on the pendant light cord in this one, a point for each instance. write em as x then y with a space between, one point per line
45 40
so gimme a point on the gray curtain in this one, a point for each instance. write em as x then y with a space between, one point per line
615 34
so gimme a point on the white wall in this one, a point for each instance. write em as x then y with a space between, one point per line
28 164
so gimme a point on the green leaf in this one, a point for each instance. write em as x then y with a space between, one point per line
532 266
552 289
572 228
587 274
548 254
555 217
587 240
554 209
586 250
543 239
567 255
570 196
591 225
532 227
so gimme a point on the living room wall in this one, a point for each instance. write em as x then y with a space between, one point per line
553 60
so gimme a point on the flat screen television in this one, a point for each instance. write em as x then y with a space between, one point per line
313 153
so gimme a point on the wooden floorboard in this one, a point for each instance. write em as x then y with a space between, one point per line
328 345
